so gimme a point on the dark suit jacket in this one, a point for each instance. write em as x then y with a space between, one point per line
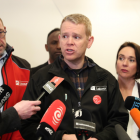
9 121
34 69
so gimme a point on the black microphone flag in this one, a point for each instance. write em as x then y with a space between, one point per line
5 93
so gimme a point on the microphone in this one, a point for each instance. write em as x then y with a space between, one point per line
5 93
50 86
138 134
132 102
51 120
121 133
83 124
135 114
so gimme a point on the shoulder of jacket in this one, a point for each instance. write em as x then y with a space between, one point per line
106 74
22 63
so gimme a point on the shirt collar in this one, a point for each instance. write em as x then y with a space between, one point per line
4 56
86 64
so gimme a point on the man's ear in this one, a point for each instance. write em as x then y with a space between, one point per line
4 28
90 41
46 47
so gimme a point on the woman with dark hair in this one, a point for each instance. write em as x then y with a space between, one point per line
128 70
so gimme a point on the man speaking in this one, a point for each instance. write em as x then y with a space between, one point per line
85 85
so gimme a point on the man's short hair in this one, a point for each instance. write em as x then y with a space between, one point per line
54 30
1 21
79 19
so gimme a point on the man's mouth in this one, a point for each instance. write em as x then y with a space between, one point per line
69 50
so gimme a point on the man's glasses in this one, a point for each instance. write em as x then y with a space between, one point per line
2 34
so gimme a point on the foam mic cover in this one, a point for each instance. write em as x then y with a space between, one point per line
132 102
5 93
135 114
51 120
138 134
121 133
83 124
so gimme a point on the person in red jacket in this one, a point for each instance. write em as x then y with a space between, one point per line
15 73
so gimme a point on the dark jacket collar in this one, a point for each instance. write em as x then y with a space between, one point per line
9 49
96 72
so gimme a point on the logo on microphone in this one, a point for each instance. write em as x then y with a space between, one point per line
135 105
49 87
56 80
38 126
4 99
49 130
57 115
1 90
78 113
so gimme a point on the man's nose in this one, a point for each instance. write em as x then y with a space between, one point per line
70 41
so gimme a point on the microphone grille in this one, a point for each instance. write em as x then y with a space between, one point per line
129 102
7 88
138 134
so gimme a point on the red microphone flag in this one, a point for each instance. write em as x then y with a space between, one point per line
54 114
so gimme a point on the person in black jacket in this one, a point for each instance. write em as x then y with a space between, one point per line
52 46
10 119
85 86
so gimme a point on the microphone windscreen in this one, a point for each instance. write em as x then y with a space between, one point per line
121 133
83 124
54 114
132 102
6 88
135 114
138 134
5 93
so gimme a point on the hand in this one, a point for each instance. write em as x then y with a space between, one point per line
27 108
69 137
92 139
